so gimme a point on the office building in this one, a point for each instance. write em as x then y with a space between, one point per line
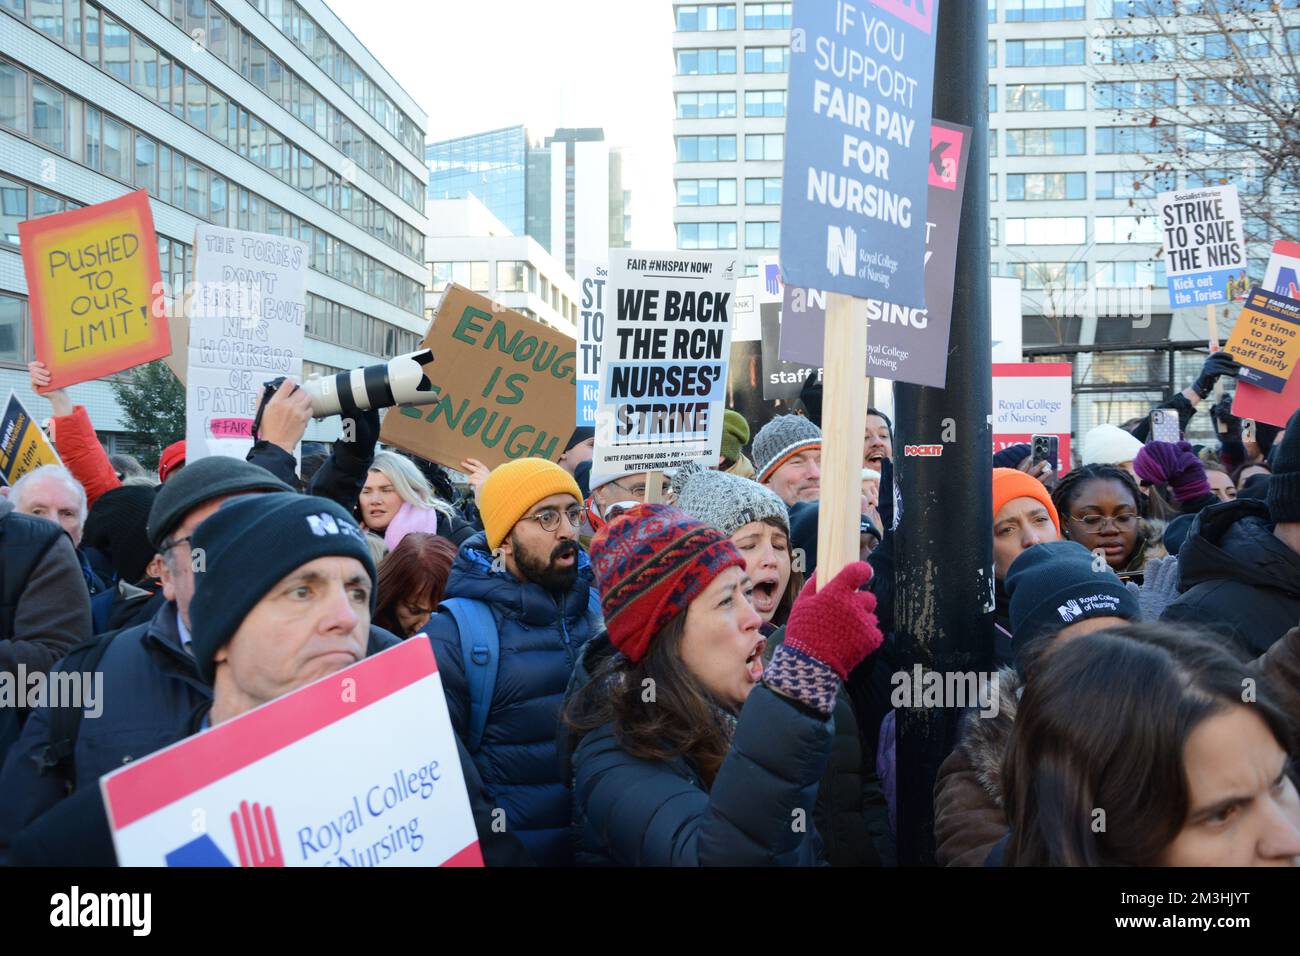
565 191
1073 173
266 115
470 246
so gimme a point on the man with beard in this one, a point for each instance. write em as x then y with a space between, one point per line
518 608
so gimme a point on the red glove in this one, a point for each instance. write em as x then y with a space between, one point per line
836 625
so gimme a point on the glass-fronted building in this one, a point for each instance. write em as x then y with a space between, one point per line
279 122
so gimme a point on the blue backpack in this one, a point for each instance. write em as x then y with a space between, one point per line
480 648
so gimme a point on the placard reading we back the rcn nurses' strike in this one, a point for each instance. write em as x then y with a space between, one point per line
857 138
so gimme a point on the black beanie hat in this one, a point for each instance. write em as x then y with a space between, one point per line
580 434
1284 483
116 526
248 545
1056 584
201 481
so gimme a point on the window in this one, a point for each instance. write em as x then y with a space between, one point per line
1047 231
1133 184
47 17
1135 94
993 53
706 149
767 59
1220 46
47 115
993 188
91 20
698 17
196 189
1230 91
441 272
1134 139
1042 11
993 98
1062 52
767 16
1225 136
218 110
1063 141
117 50
706 61
1136 8
13 97
1044 186
196 102
479 277
1037 97
765 146
217 200
706 192
1131 274
765 103
719 105
13 329
762 235
1120 229
1050 275
117 150
145 68
763 192
706 235
13 210
511 276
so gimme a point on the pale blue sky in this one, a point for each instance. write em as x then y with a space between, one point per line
475 65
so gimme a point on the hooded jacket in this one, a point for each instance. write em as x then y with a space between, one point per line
1236 577
541 636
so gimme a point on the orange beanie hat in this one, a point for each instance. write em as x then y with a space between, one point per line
1009 483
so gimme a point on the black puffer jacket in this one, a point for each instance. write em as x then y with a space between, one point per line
1236 577
851 813
634 812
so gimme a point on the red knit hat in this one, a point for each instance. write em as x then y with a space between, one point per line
651 562
173 456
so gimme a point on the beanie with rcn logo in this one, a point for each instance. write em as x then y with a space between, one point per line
247 546
1058 583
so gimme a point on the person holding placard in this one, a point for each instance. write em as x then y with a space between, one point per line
668 769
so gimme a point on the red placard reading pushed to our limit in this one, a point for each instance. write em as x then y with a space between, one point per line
95 289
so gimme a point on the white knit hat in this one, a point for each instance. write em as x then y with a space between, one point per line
1109 445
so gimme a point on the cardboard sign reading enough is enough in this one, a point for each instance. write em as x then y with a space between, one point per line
506 387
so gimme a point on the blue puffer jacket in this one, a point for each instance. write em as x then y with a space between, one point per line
541 636
634 812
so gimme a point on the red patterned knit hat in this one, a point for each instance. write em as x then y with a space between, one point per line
651 562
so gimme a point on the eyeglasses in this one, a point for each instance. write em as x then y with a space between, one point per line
549 518
1124 522
168 545
637 492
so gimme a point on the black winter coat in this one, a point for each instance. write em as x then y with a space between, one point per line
150 693
634 812
1236 577
541 637
851 813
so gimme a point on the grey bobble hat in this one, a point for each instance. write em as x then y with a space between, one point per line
781 439
724 501
200 482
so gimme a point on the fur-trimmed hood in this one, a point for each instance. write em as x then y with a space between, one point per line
983 740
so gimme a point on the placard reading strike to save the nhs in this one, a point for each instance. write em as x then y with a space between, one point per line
856 148
1205 249
360 768
663 364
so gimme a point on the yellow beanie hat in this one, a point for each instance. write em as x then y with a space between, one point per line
513 488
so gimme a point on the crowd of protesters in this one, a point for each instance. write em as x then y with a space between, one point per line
642 679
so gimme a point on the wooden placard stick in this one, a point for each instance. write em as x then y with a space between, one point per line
844 422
